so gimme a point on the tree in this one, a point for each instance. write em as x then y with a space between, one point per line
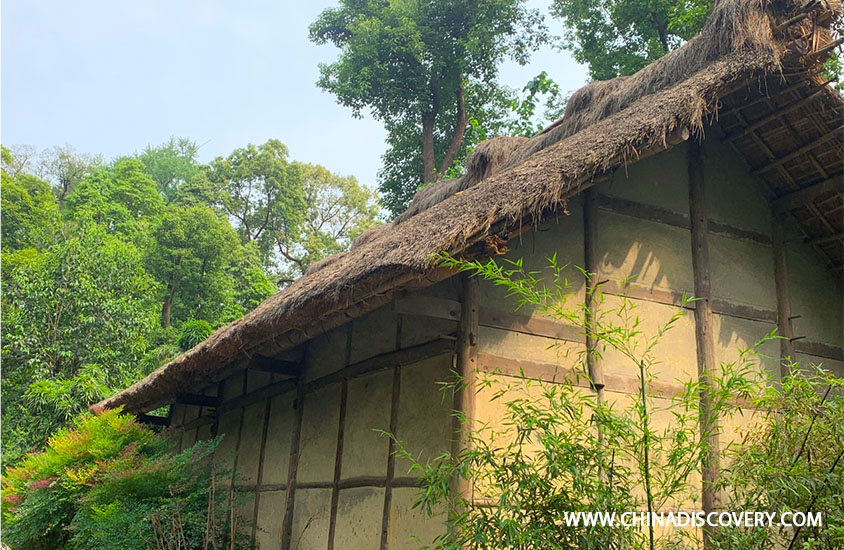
620 37
122 198
411 63
261 191
172 165
76 318
338 209
191 252
28 208
64 168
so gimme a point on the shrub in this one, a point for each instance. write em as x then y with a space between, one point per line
108 482
194 332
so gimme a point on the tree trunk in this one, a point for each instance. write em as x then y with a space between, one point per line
429 167
165 310
459 129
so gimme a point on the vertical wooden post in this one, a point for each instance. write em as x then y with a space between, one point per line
391 449
590 259
704 341
783 298
293 465
341 429
467 364
260 480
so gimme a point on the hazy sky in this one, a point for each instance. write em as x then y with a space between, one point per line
111 77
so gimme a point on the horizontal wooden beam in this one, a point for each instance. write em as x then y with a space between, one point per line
799 151
533 325
348 483
196 400
274 366
426 306
818 349
554 373
675 298
398 358
152 420
665 216
440 308
824 239
802 197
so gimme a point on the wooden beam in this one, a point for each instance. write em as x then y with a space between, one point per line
426 306
783 297
152 420
785 109
590 260
825 239
676 219
797 152
197 400
398 358
801 197
535 326
293 464
704 336
259 481
274 366
338 451
467 366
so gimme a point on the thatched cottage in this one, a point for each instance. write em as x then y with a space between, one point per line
715 171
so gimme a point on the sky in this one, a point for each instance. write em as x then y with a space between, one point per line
111 77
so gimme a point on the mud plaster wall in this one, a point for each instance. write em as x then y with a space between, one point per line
256 445
641 235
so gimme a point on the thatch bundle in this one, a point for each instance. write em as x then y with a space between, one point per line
605 126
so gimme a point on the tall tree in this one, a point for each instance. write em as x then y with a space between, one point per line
410 64
122 198
28 208
191 252
64 168
261 191
171 164
619 37
337 210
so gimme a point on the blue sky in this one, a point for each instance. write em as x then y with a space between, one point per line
110 77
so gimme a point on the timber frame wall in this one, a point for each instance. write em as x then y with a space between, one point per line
299 427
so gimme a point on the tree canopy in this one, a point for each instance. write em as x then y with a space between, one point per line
111 269
426 69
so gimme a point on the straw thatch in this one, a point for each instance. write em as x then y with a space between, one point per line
606 125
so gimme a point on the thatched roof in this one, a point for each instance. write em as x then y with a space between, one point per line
749 50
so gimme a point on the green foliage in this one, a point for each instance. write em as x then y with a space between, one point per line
793 461
413 64
172 165
107 482
194 332
76 318
261 191
29 210
192 251
337 210
122 198
620 37
525 121
560 448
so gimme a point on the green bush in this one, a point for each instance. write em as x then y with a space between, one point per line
108 482
194 332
